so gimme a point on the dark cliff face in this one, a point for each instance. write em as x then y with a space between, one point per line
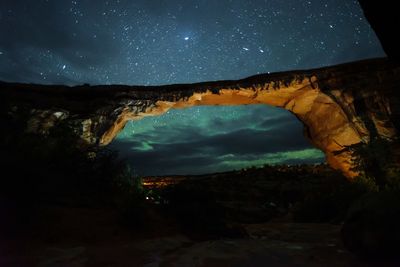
339 106
383 18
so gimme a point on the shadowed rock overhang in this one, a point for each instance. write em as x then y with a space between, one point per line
339 106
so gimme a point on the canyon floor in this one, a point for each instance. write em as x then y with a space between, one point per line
89 237
255 217
79 243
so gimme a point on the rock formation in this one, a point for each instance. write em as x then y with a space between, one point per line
339 106
383 17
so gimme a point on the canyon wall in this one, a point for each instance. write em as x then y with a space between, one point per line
339 106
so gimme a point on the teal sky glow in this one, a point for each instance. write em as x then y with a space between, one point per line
214 139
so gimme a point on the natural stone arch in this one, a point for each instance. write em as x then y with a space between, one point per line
326 124
339 106
329 116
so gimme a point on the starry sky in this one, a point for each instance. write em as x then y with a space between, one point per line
151 42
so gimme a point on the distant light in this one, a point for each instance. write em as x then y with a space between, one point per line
245 49
63 67
262 51
147 198
1 53
186 38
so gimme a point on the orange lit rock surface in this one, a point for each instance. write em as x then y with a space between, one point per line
339 105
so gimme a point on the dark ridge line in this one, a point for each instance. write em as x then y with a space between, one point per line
285 76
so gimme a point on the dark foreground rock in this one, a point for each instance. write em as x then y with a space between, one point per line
81 237
372 227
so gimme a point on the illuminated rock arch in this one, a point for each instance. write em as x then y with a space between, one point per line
323 100
339 106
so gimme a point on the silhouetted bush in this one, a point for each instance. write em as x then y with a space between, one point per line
331 203
377 162
198 213
131 199
54 168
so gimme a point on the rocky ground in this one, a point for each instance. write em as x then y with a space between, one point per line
271 216
86 237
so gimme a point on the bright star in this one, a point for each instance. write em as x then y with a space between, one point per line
262 51
186 38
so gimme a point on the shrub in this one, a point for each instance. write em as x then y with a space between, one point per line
377 162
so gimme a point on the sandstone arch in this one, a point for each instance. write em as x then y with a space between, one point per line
326 123
339 106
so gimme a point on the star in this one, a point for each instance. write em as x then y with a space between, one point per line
145 43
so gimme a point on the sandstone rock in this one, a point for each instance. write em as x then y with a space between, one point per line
339 106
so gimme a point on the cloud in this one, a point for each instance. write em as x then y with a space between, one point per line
304 156
32 44
186 158
261 135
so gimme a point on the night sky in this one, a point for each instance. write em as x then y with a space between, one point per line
183 41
